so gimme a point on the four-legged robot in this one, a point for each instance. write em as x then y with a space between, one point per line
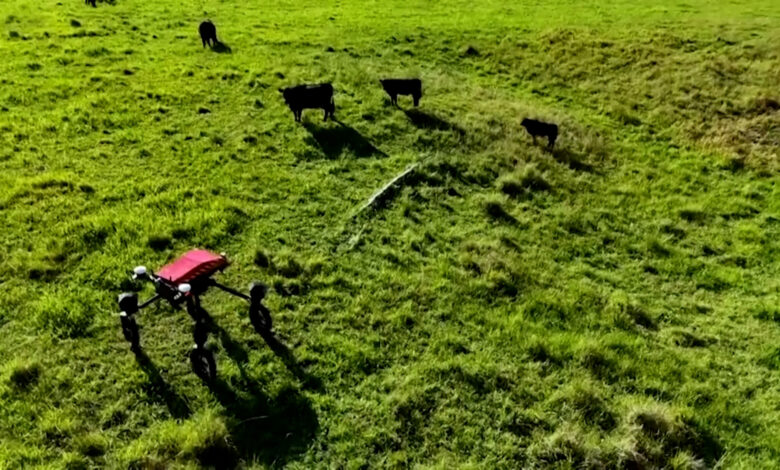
181 283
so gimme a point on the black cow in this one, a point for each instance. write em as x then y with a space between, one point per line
208 33
402 86
539 128
91 2
302 97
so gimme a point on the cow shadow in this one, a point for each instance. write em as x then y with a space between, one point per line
572 159
429 121
334 140
158 388
221 48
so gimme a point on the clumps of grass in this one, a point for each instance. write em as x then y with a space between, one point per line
209 443
538 351
578 224
494 209
203 440
522 423
261 259
548 351
97 52
64 316
292 276
734 163
412 408
716 278
657 248
74 461
687 339
93 236
42 271
525 183
588 403
478 174
768 311
504 284
159 242
771 359
675 231
25 375
693 214
498 275
766 105
657 435
512 188
286 265
287 289
58 426
685 460
627 314
470 51
626 116
568 447
548 309
91 445
480 380
115 415
53 183
600 362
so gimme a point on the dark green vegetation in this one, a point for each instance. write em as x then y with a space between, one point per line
614 303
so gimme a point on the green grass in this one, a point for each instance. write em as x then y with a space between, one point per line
614 303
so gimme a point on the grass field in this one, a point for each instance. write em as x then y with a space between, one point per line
612 304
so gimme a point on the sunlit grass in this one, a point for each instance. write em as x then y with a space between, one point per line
608 304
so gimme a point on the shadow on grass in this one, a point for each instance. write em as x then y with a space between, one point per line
272 430
286 355
429 121
221 48
496 212
235 350
159 388
708 445
240 356
572 160
333 141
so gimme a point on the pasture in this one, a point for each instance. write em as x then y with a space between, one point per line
614 303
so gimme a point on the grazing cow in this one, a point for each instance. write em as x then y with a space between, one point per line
302 97
402 86
91 2
539 128
208 33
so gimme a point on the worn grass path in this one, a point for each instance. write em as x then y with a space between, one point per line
614 303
